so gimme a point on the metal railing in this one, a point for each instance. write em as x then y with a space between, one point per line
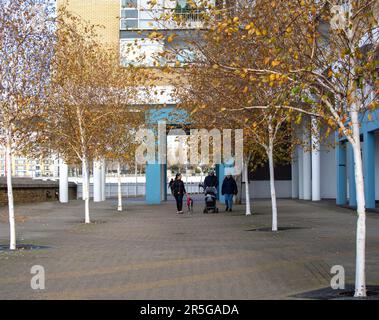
157 18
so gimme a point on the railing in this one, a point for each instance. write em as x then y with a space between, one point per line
149 19
132 190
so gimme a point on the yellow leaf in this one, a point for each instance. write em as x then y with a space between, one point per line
170 38
275 63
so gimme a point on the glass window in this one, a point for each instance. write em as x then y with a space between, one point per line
129 14
129 3
125 24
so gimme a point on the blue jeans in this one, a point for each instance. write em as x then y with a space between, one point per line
229 200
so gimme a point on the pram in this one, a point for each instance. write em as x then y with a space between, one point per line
210 200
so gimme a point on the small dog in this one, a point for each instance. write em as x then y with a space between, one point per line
189 204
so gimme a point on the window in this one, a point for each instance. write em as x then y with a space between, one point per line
128 4
129 14
140 52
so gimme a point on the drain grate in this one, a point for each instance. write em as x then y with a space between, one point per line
344 294
5 247
269 229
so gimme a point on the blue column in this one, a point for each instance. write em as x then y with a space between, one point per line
352 189
369 168
341 174
153 183
164 182
220 172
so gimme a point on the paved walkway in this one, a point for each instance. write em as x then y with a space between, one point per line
149 252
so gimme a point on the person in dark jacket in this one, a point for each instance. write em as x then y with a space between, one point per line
171 185
211 180
229 189
179 191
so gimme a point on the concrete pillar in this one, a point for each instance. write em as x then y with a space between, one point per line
63 181
97 179
341 174
155 183
295 174
103 179
220 173
300 174
352 189
307 167
369 168
316 174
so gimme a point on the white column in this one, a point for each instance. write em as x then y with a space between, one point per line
295 175
315 162
307 173
300 172
103 179
63 181
97 193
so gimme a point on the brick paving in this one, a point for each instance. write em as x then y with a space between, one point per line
149 252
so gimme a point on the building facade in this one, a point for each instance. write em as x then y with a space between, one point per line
30 168
325 172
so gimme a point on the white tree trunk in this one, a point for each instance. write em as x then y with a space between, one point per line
12 223
272 187
136 177
119 206
247 189
360 273
86 188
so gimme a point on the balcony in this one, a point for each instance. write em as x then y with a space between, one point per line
148 19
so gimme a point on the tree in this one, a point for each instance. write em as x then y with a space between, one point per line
26 42
336 68
210 90
327 52
120 144
84 100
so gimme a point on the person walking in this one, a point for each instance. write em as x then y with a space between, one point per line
171 186
211 180
179 191
229 189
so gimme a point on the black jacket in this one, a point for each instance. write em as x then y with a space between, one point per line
229 186
210 181
178 188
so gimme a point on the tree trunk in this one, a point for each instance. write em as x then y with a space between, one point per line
119 207
12 223
272 187
360 273
136 177
247 189
86 188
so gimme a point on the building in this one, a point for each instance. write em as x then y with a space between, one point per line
326 173
30 168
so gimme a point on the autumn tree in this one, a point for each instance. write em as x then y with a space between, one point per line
84 100
119 144
327 51
26 42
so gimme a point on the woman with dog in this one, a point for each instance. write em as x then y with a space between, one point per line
179 191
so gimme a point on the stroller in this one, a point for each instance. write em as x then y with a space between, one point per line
210 200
